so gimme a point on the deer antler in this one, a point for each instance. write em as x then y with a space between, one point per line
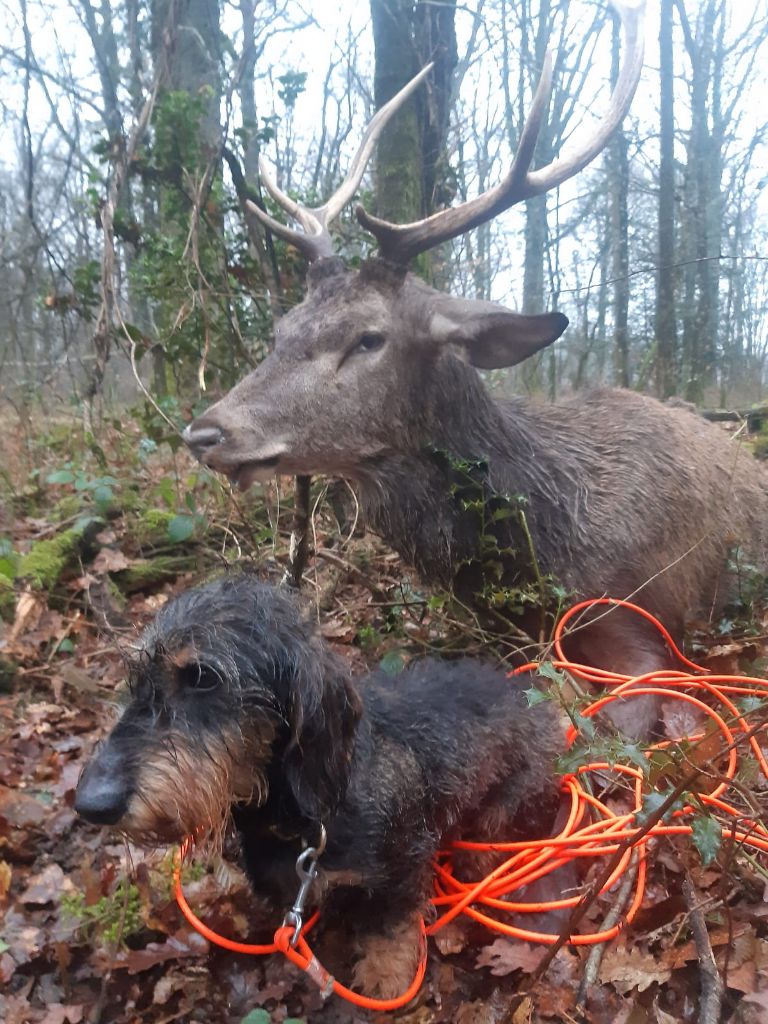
315 239
401 242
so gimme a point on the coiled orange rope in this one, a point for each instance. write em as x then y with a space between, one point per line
592 829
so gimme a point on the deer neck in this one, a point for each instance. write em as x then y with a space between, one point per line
477 475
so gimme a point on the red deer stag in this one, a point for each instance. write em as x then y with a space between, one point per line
372 379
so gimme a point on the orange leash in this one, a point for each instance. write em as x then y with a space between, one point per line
592 829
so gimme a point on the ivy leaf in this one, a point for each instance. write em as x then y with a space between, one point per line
707 837
257 1017
392 663
181 528
60 476
102 496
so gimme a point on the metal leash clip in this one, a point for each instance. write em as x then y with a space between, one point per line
306 869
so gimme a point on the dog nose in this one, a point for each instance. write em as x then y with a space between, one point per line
201 438
100 799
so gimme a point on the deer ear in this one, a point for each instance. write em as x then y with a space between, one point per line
491 336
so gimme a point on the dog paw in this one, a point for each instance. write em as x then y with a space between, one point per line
390 960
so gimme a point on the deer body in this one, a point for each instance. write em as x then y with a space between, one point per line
622 495
372 379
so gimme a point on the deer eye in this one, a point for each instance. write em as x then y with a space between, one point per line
198 677
371 341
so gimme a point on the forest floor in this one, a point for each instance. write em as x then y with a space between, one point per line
90 546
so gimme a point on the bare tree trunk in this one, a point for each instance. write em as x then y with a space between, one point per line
618 163
703 198
399 158
410 159
665 319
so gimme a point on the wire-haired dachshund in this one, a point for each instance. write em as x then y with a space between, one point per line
239 712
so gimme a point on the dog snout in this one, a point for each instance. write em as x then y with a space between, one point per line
101 796
200 438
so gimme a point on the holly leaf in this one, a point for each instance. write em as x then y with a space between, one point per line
707 834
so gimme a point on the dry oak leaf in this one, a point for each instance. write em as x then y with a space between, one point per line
44 887
632 969
109 560
6 874
503 957
177 947
59 1013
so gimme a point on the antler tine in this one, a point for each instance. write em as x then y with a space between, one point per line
315 240
401 242
333 206
565 167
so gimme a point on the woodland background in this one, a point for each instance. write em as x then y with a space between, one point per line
134 290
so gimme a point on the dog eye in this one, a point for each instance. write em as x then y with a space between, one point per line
198 677
371 341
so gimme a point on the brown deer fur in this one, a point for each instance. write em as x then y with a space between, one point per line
624 496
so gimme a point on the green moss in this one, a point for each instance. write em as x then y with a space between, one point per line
27 502
153 572
151 527
8 670
114 593
66 507
760 446
130 500
47 560
7 598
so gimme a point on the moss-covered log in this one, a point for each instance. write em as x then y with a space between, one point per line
148 573
48 560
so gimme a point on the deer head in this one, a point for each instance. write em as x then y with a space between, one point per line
354 366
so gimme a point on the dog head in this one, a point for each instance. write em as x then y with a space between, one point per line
233 699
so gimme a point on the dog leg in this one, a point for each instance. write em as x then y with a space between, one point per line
389 957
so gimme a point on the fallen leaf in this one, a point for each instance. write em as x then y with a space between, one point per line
77 677
7 967
503 957
109 560
681 955
177 947
21 810
451 939
337 629
759 998
29 608
632 969
5 879
44 887
59 1013
681 719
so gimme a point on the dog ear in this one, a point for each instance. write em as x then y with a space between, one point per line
324 710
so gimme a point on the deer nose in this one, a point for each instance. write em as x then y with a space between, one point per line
200 439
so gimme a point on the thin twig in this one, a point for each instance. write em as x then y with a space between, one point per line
595 958
299 548
597 885
712 988
357 574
